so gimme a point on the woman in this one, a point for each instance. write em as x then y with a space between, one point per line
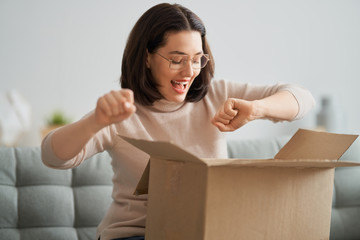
167 94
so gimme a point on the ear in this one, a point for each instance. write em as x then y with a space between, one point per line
147 59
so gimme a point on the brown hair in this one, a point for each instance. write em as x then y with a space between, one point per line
149 34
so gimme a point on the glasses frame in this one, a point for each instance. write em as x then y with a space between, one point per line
185 61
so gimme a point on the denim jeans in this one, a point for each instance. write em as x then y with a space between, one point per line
130 238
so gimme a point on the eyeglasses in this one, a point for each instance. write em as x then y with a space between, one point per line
178 62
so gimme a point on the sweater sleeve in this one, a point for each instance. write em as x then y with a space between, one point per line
96 144
222 89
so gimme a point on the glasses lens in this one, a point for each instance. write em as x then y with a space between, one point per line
204 60
177 62
198 62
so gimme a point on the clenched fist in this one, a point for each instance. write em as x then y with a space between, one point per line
114 106
233 114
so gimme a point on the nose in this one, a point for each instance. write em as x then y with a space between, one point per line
188 70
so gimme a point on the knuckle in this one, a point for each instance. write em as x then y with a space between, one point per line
229 100
129 94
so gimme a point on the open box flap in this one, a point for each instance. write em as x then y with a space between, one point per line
307 144
305 149
163 150
293 163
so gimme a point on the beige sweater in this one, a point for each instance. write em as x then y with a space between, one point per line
186 124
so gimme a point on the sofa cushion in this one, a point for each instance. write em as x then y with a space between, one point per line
345 216
255 148
38 202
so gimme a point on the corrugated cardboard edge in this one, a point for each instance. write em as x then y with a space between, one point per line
289 163
163 150
308 144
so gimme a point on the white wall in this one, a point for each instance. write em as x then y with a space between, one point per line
65 54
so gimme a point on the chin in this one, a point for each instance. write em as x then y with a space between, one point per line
178 99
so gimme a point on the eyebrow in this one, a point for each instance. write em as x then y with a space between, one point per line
182 53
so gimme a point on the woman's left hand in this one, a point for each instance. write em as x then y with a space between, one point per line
233 114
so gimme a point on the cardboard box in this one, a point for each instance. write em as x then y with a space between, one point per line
288 197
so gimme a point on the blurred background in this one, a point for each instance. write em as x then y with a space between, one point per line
60 56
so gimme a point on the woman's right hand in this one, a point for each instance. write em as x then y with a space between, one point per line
114 107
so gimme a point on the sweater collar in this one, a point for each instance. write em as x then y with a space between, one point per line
164 105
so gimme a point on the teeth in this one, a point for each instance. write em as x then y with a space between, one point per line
183 83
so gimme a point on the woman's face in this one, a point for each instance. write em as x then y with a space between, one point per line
175 83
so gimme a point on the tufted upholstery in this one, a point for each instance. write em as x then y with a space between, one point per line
345 221
40 203
345 216
37 202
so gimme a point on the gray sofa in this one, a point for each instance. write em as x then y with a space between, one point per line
38 203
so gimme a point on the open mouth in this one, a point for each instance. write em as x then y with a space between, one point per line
179 86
